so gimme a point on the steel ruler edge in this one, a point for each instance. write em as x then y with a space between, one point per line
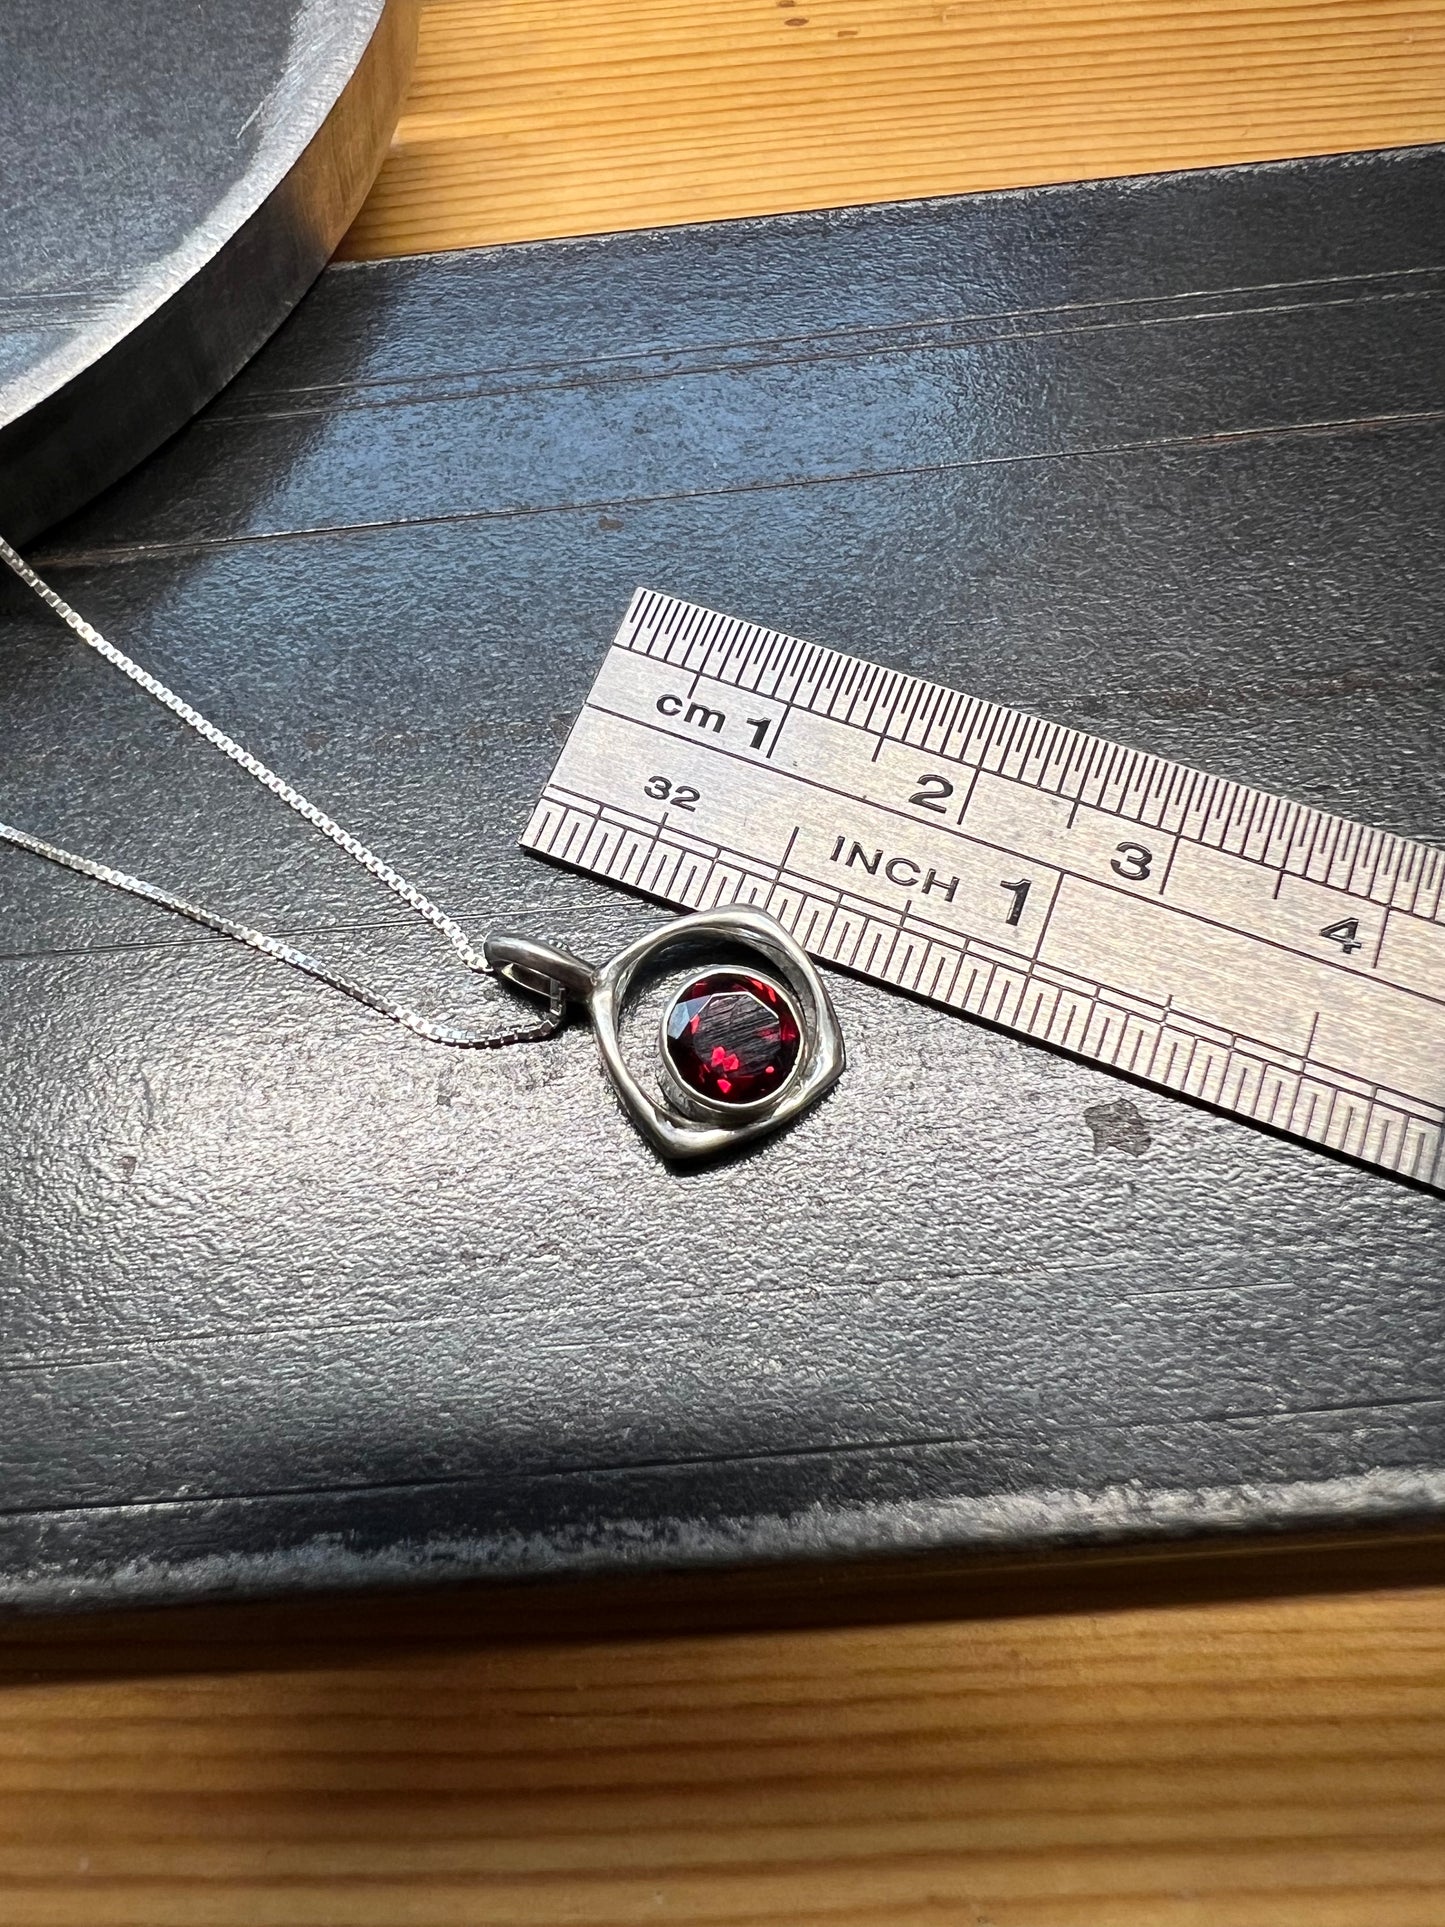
1263 956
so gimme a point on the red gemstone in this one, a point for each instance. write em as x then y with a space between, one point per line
733 1037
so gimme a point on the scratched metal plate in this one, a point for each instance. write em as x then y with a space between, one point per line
290 1298
173 178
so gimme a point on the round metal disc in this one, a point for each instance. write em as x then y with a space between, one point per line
172 178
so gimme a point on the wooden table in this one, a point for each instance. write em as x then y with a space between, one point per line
1240 1739
572 117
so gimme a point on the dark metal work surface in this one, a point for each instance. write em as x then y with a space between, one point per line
173 179
291 1298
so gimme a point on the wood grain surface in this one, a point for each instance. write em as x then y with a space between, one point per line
1263 1751
574 118
1040 1754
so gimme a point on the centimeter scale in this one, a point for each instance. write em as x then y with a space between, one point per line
1265 957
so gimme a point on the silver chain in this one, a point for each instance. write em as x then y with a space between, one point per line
269 946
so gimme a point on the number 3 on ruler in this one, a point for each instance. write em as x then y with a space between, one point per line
1132 862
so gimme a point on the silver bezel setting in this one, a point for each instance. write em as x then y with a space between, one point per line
697 1103
821 1057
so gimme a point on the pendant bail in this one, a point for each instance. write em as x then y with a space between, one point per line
536 967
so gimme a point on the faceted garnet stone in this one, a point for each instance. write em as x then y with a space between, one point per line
733 1037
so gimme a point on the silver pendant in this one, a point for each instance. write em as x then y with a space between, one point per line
742 1051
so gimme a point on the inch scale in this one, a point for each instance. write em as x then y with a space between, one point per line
1268 958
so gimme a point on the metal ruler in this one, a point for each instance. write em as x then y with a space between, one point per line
1268 958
